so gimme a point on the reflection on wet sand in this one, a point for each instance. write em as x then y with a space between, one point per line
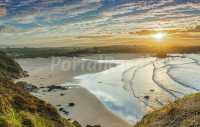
130 87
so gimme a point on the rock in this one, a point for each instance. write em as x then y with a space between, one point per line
77 124
64 111
71 104
152 90
61 109
147 97
27 86
58 105
93 126
62 94
54 87
26 74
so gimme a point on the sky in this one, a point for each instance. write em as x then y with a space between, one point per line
57 23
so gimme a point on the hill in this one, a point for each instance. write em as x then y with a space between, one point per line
20 109
9 69
182 113
79 51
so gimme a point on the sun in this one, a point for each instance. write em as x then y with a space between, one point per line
159 36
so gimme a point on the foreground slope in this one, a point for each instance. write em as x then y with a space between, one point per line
20 109
182 113
9 69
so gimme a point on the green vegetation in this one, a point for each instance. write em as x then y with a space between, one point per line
9 68
20 109
182 113
77 51
11 118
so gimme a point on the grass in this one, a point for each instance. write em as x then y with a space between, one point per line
184 112
12 118
18 108
9 69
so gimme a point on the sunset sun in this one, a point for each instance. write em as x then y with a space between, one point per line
159 36
99 63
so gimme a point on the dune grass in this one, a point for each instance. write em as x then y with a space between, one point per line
23 119
184 112
10 117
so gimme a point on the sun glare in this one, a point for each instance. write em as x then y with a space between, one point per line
159 36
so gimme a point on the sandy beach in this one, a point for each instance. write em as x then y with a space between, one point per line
112 91
88 110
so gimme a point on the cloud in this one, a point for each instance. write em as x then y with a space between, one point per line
2 11
96 19
8 29
195 29
183 30
142 32
44 12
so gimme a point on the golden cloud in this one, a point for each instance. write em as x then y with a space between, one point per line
195 29
144 32
2 11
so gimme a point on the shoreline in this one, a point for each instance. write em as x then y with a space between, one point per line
85 103
108 86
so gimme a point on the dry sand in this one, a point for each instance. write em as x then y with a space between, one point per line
88 109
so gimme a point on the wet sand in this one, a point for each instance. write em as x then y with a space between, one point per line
88 110
129 85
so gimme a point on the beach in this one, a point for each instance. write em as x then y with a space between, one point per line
87 109
113 89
